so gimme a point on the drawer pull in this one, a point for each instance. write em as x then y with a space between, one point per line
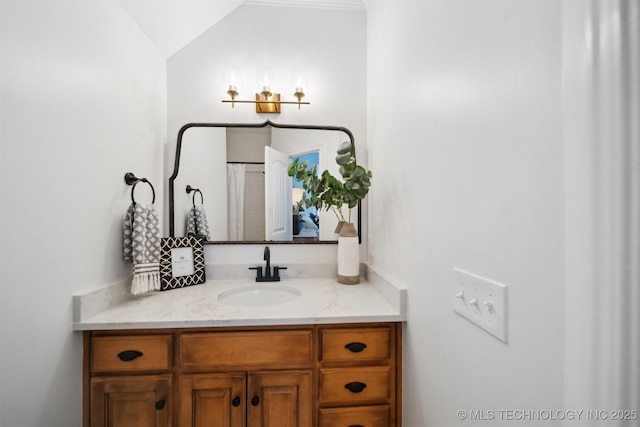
355 347
356 425
236 401
255 401
129 355
160 404
355 387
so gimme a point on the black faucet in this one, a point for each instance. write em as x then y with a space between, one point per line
269 274
267 257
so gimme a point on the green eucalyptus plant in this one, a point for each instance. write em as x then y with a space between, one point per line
328 192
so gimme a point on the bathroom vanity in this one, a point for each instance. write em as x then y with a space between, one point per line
329 357
304 352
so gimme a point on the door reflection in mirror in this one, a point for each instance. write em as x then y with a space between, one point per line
277 196
306 221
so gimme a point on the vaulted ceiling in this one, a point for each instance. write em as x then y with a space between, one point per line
172 24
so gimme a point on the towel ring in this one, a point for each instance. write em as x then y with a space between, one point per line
195 190
131 179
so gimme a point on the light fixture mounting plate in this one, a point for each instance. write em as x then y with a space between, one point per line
268 105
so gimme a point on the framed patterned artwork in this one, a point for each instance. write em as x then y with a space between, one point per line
181 262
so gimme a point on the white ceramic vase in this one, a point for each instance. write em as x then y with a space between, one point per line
348 255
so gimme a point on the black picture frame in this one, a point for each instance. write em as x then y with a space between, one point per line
173 275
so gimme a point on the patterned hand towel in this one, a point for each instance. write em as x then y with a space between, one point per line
141 246
197 222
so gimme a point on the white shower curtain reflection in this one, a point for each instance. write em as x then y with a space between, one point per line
235 202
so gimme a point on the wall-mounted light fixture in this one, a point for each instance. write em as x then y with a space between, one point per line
266 101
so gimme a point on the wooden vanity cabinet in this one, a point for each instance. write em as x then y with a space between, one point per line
128 380
135 400
269 383
315 375
359 379
272 398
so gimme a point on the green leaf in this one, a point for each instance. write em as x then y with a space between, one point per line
327 192
345 148
343 159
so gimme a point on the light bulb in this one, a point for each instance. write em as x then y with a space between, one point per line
232 82
265 81
300 83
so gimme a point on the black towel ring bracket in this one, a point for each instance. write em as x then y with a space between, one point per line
131 179
193 199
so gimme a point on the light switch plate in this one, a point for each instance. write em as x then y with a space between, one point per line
482 301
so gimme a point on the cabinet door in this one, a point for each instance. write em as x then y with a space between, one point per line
142 401
212 400
279 399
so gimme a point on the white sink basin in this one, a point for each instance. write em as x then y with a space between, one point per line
259 295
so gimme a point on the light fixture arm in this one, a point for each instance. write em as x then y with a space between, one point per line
241 101
266 104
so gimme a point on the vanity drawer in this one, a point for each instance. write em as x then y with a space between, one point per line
368 384
206 350
131 353
365 416
341 345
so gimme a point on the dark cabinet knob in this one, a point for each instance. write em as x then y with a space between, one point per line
255 400
160 404
129 355
355 387
236 401
355 347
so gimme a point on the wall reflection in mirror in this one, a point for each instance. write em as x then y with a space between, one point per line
245 192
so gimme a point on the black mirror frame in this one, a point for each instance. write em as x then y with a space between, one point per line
176 169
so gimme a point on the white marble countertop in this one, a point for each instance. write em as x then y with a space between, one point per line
321 300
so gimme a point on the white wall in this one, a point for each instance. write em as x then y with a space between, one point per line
83 102
208 144
465 139
329 44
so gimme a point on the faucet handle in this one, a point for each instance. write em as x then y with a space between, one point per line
276 271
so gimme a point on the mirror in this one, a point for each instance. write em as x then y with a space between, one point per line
240 173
